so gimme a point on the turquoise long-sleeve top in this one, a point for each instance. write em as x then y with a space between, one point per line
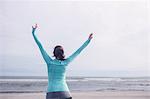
57 68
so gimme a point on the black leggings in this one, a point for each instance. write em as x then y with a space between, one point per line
58 95
69 98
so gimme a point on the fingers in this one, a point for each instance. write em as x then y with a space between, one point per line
34 27
91 36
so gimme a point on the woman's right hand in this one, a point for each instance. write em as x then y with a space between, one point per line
91 36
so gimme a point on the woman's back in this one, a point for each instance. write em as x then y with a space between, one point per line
57 76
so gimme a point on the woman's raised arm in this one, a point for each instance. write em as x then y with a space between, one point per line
43 52
78 51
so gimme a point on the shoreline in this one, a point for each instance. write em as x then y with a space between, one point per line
77 91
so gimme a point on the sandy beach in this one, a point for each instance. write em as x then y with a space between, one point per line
82 95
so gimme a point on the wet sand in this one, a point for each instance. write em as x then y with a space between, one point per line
82 95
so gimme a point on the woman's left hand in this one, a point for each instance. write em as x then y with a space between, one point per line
34 27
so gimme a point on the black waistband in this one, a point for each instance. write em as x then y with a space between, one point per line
58 94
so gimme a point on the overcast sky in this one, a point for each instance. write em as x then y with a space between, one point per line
119 48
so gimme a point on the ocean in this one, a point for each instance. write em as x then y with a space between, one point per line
25 84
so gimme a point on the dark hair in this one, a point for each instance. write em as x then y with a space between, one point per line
59 52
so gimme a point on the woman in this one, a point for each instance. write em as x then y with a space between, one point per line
57 86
